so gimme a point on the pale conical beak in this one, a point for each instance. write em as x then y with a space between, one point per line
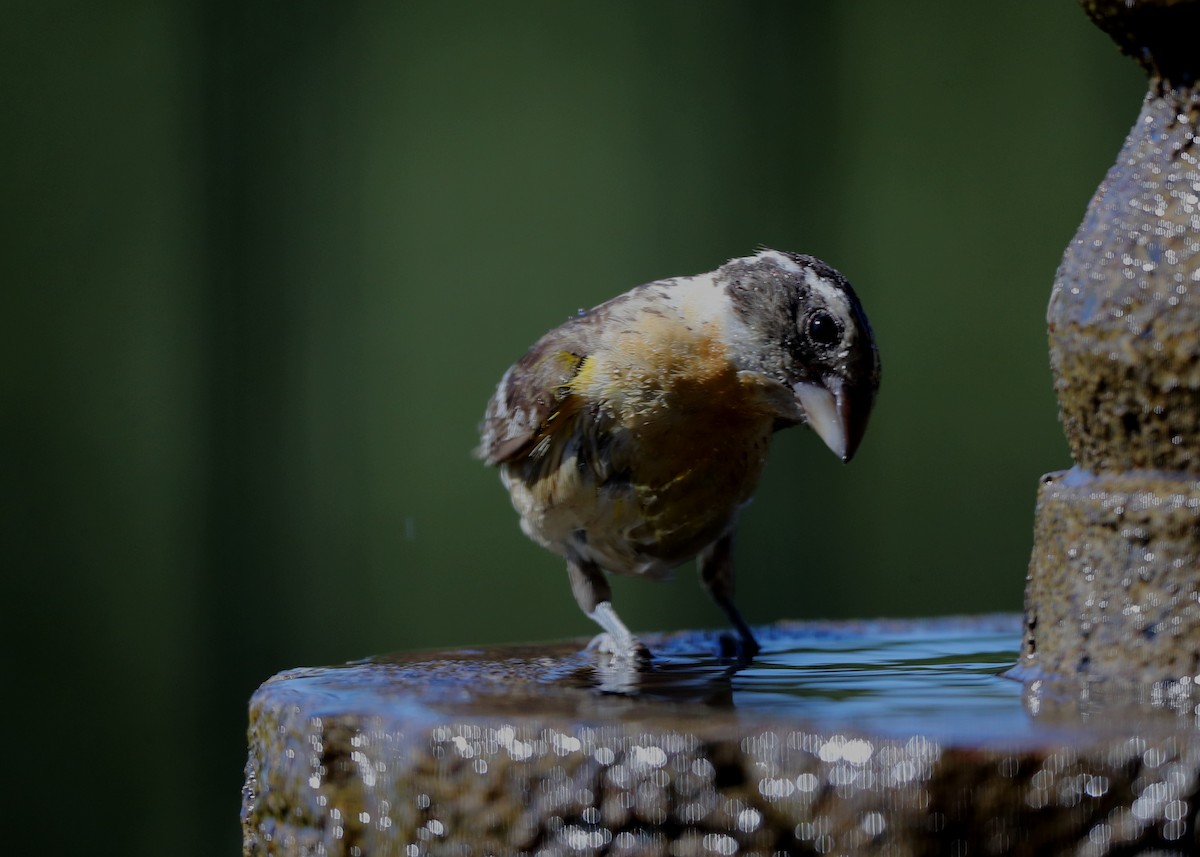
835 414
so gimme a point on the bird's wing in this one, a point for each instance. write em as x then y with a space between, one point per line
533 404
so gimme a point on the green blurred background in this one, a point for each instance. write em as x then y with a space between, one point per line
265 262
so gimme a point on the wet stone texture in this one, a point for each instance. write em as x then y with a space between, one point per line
522 751
1113 572
1114 581
1124 316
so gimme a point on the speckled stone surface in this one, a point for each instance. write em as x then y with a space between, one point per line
1124 314
1113 589
518 751
1124 323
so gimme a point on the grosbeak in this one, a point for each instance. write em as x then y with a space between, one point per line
630 437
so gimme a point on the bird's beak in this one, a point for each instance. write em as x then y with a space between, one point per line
837 414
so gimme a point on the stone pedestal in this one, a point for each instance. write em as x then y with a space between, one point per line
1113 577
1114 589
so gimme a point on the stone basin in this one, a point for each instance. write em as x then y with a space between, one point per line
881 737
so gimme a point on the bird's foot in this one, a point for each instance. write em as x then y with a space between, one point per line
736 647
630 651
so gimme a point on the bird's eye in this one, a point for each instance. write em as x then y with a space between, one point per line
822 329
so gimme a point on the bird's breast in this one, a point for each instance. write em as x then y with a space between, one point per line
688 438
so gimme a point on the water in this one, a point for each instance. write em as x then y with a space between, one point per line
941 678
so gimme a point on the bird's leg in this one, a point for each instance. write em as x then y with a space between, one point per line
593 595
716 571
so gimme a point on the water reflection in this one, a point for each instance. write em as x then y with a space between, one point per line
948 679
1101 704
941 678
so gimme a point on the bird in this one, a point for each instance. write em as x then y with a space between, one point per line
630 437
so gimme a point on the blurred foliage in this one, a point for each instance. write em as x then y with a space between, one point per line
266 261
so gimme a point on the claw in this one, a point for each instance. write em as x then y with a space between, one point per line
631 650
737 647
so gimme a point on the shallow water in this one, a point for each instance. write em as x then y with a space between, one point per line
941 679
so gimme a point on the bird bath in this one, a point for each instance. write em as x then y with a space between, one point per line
889 737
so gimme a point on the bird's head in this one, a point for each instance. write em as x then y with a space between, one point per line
798 323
